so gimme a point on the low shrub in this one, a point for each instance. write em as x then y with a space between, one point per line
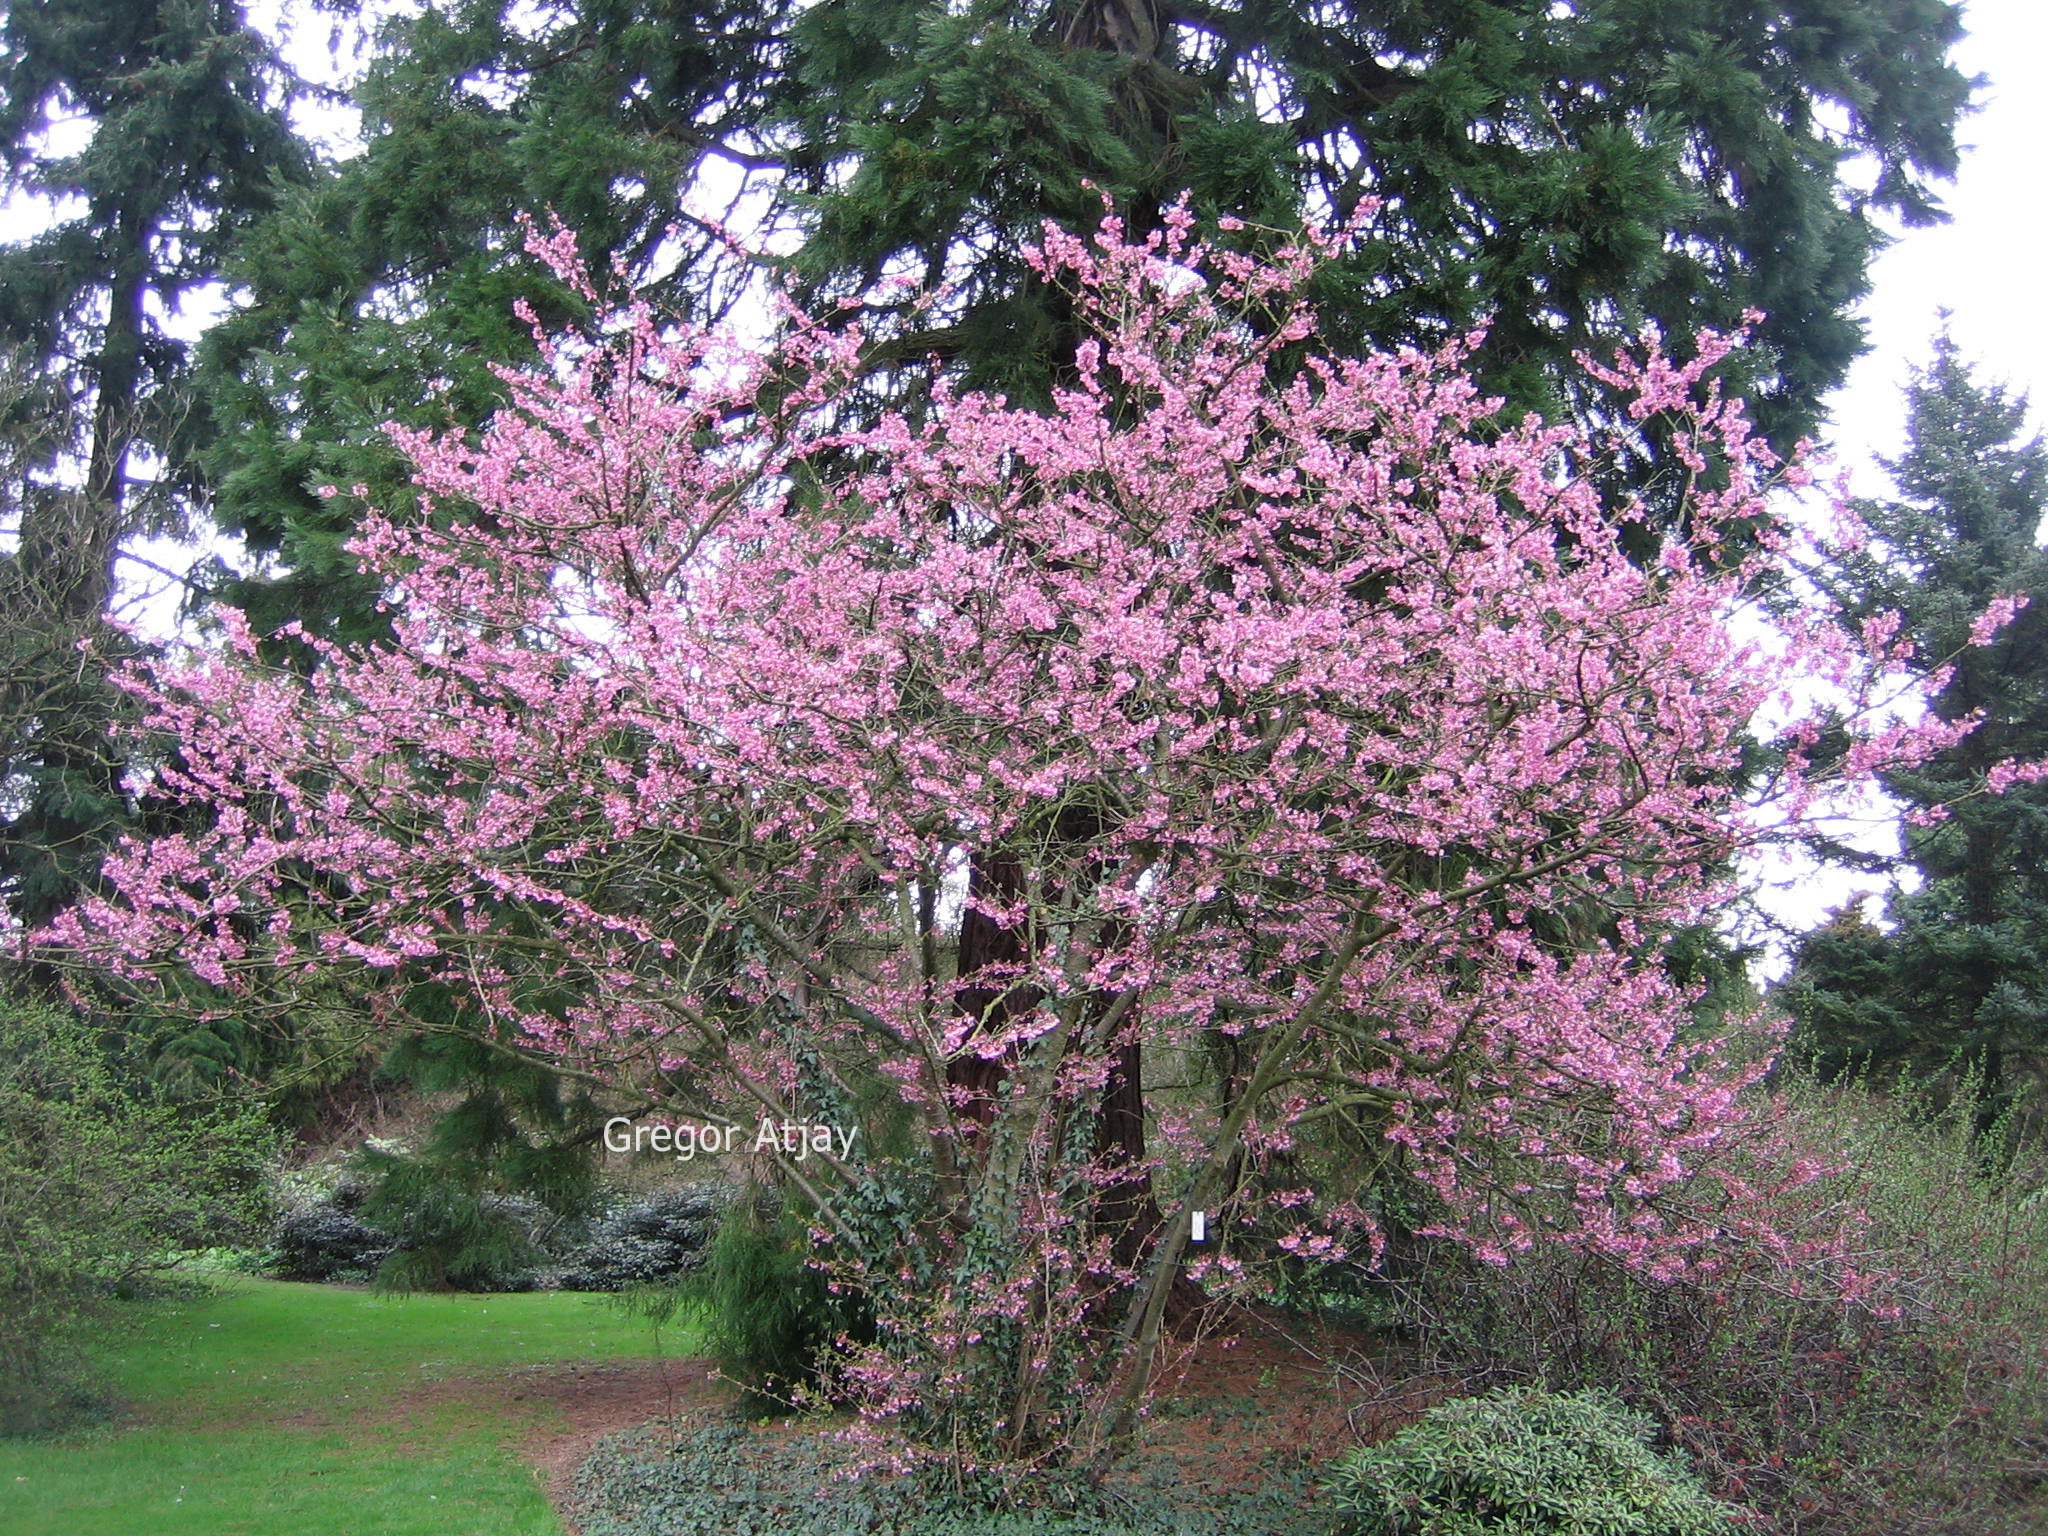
324 1243
236 1260
413 1232
1895 1384
1524 1463
770 1318
449 1230
103 1181
647 1241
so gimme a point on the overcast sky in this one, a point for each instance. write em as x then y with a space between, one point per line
1987 264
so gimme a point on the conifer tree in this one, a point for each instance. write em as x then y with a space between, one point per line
1961 968
1567 174
386 290
188 141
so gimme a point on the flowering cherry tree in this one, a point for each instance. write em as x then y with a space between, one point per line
1304 727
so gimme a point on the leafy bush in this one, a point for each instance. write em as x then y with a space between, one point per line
645 1242
768 1314
324 1243
1894 1386
101 1182
1524 1463
726 1480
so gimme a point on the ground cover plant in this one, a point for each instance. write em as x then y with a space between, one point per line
319 1411
904 787
1235 1441
724 1478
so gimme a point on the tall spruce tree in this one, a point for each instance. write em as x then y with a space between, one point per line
187 144
1961 968
386 290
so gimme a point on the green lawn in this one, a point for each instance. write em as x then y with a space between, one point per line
300 1410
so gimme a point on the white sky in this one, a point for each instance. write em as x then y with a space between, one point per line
1985 265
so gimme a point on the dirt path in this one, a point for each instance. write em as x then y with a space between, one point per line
592 1401
565 1408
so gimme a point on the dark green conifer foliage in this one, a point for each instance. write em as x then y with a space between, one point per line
386 291
1568 172
188 143
516 1128
1963 968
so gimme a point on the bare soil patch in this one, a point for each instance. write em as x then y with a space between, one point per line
1265 1392
592 1401
565 1408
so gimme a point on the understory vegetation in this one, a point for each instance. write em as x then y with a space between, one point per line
334 1224
1920 1403
100 1188
721 1479
1913 1401
1524 1463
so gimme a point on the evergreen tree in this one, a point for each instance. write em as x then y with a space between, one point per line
188 141
1962 969
387 289
1567 173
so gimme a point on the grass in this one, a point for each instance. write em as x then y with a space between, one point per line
300 1410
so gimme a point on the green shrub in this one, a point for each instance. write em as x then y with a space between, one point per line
1524 1463
101 1183
1917 1403
446 1233
323 1244
769 1317
647 1241
402 1222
